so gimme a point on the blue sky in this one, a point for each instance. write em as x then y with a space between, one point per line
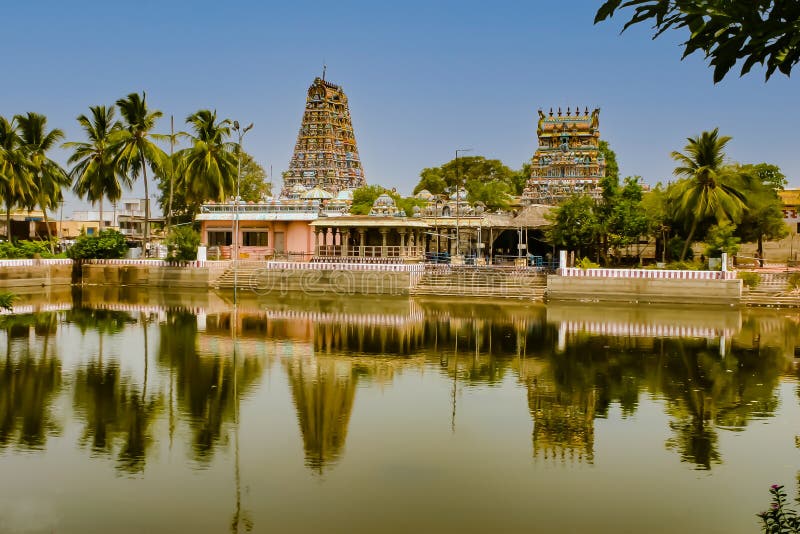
423 78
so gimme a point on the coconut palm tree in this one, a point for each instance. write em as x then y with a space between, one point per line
134 146
94 175
207 170
49 176
708 188
16 180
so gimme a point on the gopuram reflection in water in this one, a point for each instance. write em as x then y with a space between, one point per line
134 383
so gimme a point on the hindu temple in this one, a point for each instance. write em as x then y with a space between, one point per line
567 160
326 155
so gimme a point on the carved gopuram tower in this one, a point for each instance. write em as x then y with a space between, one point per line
567 161
326 155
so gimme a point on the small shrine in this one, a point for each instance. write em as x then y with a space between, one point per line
567 160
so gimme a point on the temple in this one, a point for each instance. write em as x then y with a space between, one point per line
568 160
325 155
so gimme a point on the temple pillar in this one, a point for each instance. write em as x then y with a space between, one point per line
362 240
402 232
384 232
344 238
316 240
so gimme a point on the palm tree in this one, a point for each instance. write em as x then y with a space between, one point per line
16 180
94 174
49 176
134 145
207 170
708 189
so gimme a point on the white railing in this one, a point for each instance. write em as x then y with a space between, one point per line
31 262
222 264
647 274
370 251
326 266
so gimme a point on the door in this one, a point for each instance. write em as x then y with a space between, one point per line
280 242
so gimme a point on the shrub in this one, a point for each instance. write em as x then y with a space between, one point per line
25 249
720 239
108 244
586 263
683 266
750 280
7 300
182 244
779 518
794 281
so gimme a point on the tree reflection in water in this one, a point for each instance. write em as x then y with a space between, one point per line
204 382
118 413
30 379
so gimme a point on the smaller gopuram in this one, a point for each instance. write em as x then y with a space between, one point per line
326 155
567 161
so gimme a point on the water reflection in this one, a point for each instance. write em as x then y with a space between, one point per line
30 379
712 372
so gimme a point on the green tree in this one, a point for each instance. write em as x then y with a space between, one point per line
769 175
480 176
628 219
134 145
721 238
207 170
182 243
254 184
94 175
432 180
108 244
16 180
364 197
766 32
763 218
574 224
49 176
708 188
519 179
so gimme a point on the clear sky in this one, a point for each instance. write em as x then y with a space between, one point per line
423 77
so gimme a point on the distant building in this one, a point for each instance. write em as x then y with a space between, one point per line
790 198
326 155
568 160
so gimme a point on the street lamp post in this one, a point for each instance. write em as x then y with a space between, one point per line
236 201
458 192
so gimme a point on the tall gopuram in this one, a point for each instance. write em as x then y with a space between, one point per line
326 155
567 161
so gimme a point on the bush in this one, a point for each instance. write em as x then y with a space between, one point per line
750 280
108 244
683 266
7 300
779 518
182 244
586 263
794 281
25 249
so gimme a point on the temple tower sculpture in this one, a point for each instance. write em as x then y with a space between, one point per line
568 160
326 155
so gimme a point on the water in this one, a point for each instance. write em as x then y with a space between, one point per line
130 412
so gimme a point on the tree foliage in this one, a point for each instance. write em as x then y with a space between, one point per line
182 243
574 225
108 244
709 189
765 32
94 175
485 180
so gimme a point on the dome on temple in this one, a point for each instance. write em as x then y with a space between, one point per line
424 195
345 194
384 205
462 194
316 193
299 188
384 200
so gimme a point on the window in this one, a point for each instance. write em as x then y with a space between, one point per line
255 239
219 239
